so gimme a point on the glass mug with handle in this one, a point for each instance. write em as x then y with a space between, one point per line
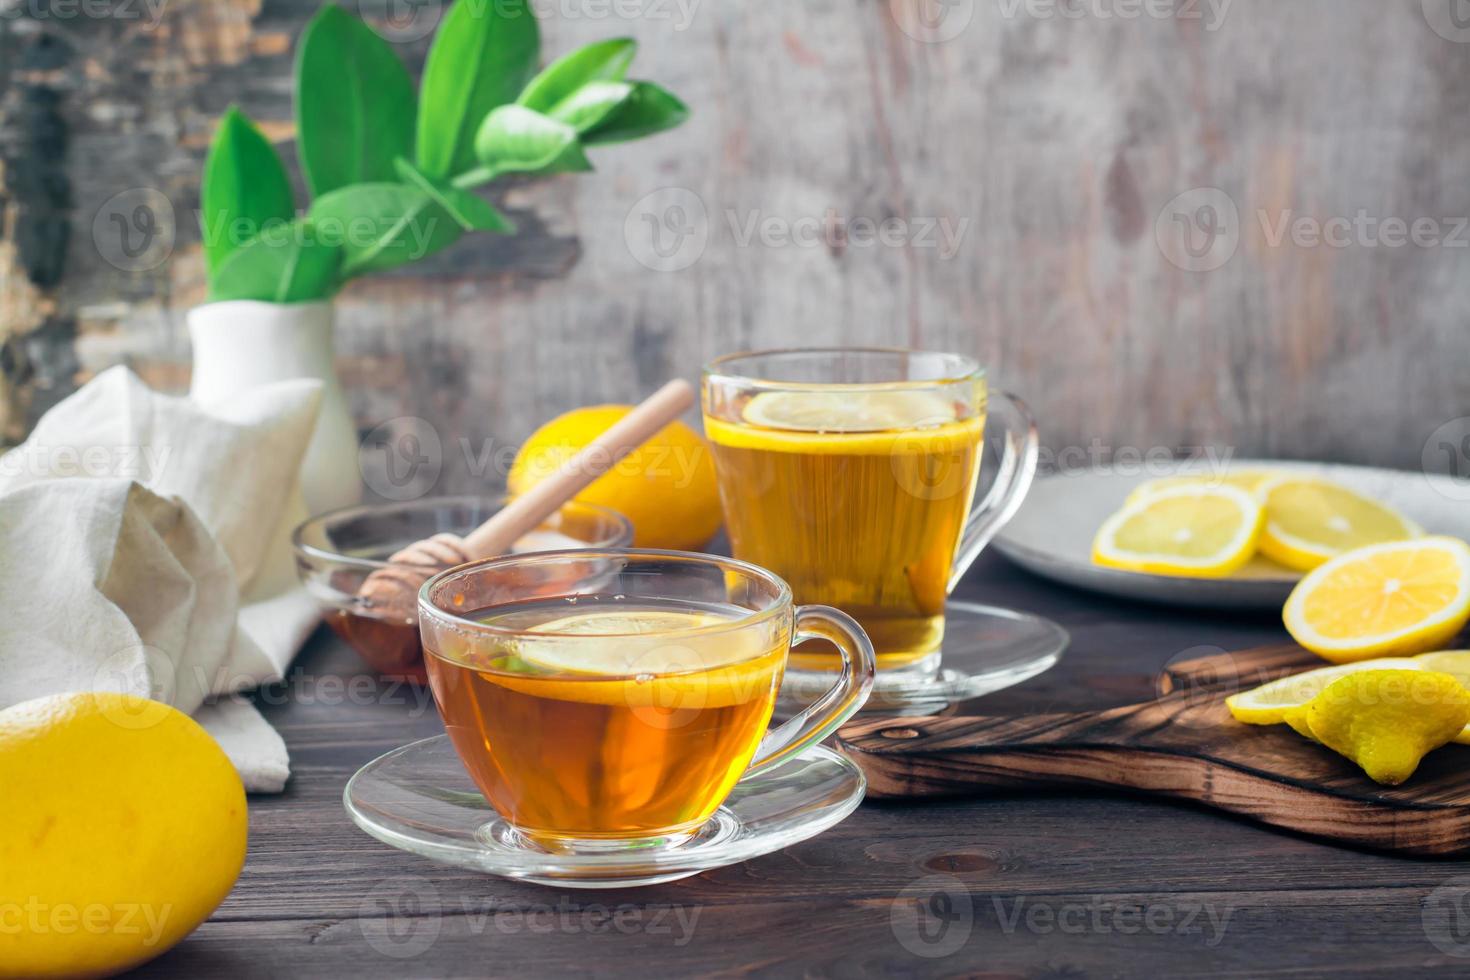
852 473
609 699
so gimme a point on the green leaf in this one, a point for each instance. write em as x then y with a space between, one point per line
590 105
380 225
286 263
355 103
482 56
471 212
603 61
517 139
244 189
648 110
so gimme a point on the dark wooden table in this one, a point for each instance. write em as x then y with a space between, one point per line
1065 885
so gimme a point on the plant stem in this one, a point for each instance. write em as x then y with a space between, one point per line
471 179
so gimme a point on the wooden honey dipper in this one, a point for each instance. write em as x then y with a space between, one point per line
391 593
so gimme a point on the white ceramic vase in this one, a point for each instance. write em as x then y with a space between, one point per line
240 344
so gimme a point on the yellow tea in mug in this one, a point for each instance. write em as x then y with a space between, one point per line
594 719
857 498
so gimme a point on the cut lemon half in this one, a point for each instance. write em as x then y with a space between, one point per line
1200 531
1271 703
1249 481
1456 663
848 411
1397 598
1309 521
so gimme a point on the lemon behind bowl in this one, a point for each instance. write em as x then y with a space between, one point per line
124 827
666 487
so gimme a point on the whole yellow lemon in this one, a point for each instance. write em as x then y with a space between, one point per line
666 487
123 828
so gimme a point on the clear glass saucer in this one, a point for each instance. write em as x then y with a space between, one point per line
419 798
986 649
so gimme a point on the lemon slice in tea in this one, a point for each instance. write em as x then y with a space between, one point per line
847 411
1309 521
1200 531
635 642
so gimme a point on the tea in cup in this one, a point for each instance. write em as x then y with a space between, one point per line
623 710
851 473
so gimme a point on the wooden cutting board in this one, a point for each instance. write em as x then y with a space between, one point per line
1184 745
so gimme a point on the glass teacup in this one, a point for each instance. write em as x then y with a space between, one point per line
622 710
851 473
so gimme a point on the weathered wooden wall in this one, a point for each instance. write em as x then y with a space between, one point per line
1046 138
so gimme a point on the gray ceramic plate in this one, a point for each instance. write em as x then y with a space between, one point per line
1052 534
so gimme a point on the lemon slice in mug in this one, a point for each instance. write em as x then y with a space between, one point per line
1200 531
1309 521
847 411
633 642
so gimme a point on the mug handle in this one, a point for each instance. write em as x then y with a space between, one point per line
829 712
1021 448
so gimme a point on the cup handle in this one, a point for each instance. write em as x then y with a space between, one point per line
828 713
1021 448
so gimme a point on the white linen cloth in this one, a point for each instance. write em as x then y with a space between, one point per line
144 547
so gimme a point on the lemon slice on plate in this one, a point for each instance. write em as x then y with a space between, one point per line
848 411
1248 480
1397 598
1199 531
1270 703
1309 521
